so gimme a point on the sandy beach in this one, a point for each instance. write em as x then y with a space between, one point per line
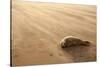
37 29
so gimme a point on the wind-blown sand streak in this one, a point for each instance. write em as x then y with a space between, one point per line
37 29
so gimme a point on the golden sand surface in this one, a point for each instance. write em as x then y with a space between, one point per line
37 29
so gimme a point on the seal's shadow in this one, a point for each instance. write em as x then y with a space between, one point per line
82 53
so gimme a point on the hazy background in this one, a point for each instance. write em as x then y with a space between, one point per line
88 2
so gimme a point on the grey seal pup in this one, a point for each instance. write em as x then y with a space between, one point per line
73 41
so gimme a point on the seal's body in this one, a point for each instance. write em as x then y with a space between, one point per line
72 41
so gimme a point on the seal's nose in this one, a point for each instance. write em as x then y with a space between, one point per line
63 46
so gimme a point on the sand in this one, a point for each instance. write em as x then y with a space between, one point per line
37 29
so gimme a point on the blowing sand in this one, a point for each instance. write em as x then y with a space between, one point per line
37 29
